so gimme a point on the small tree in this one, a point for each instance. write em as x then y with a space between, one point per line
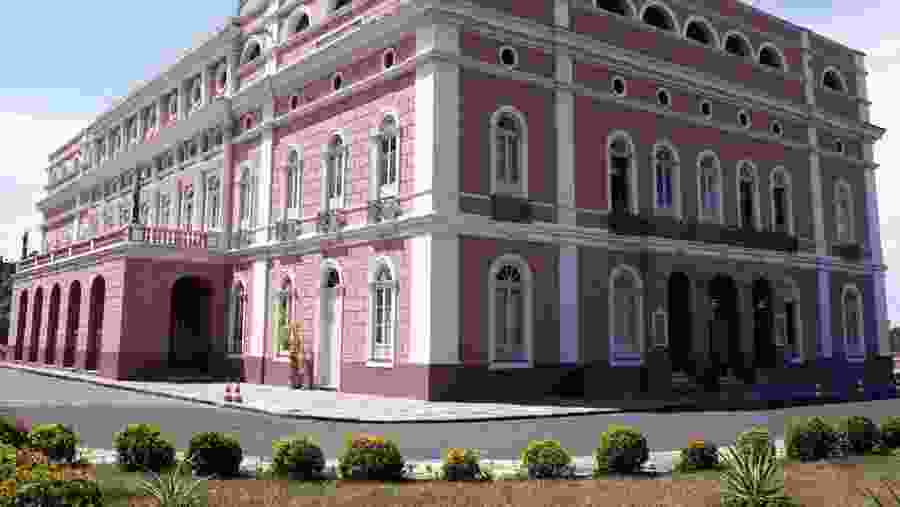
296 357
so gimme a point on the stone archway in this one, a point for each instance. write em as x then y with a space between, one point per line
680 324
95 323
36 314
20 326
724 327
763 325
72 323
190 341
53 325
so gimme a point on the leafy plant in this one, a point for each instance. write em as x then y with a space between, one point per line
175 489
213 453
622 449
58 441
295 351
371 457
863 434
140 447
756 436
14 431
546 459
699 455
811 440
749 478
299 457
890 432
871 495
461 465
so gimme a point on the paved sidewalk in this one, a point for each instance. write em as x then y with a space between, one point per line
341 407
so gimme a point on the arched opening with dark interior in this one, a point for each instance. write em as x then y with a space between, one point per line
72 322
36 324
763 325
833 81
723 333
737 45
619 7
657 17
770 57
699 32
680 314
52 325
21 325
189 326
95 323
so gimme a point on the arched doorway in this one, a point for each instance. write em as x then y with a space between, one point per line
52 325
763 325
36 324
329 359
74 314
680 323
724 327
189 325
95 323
20 326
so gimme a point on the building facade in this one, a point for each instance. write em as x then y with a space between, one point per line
465 198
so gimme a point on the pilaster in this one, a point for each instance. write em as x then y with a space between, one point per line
264 180
824 345
565 141
877 284
745 316
259 333
701 316
435 305
862 89
561 13
568 304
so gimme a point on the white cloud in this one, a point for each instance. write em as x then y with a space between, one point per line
31 139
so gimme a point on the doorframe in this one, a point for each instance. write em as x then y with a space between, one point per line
336 343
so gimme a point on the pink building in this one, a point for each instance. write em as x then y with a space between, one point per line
478 198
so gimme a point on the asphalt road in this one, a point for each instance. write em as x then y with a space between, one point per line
97 412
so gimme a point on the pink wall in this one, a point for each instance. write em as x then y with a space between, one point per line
486 49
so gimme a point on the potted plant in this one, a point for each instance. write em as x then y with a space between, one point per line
296 358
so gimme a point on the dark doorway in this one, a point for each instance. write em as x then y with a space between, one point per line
95 323
52 325
74 314
724 327
763 325
36 324
680 323
20 326
189 328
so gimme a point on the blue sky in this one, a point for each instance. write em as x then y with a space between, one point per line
66 61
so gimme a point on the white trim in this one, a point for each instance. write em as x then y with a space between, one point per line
339 202
789 195
714 43
851 230
757 219
376 190
523 150
707 116
861 350
677 209
297 211
772 125
749 119
334 350
783 67
252 40
294 18
668 98
614 355
840 77
748 46
527 311
514 53
676 28
375 265
720 184
632 171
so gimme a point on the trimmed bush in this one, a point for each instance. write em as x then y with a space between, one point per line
141 447
699 455
298 457
58 441
7 462
213 453
757 437
57 492
890 432
461 465
546 459
369 457
622 449
811 440
14 432
863 434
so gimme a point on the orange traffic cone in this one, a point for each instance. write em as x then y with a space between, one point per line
237 394
228 396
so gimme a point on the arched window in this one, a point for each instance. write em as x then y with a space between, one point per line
789 325
388 156
748 196
238 305
510 312
620 157
626 311
301 23
665 166
213 198
620 7
244 199
383 313
252 51
658 16
294 185
843 212
833 80
337 161
340 4
737 44
509 153
782 215
853 321
710 188
769 55
699 30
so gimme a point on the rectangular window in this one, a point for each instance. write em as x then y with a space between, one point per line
387 176
664 187
501 338
501 158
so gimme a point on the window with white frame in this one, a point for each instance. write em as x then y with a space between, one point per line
187 206
173 104
244 198
747 196
239 297
664 164
853 322
843 212
710 189
165 209
212 194
196 96
251 52
509 314
384 309
336 172
388 157
294 185
781 202
621 162
509 151
283 317
145 209
124 211
626 312
833 80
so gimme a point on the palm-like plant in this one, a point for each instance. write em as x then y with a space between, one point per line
874 498
749 478
173 490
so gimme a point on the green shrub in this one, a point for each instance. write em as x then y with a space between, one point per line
371 457
811 440
7 462
546 459
140 447
13 432
58 441
863 434
213 453
461 465
890 432
299 457
750 478
699 455
756 437
174 489
80 492
622 449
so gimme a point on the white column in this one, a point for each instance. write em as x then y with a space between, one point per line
434 308
874 240
561 13
260 297
568 304
861 89
264 180
565 143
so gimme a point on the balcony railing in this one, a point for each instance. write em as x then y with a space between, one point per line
848 251
143 234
